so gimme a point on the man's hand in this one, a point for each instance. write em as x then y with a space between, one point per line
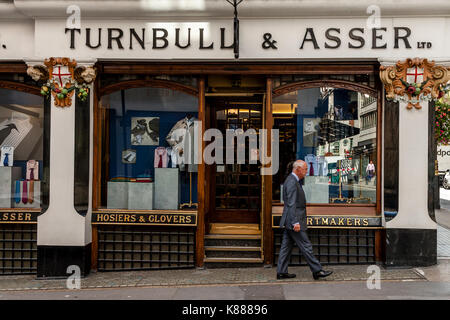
297 227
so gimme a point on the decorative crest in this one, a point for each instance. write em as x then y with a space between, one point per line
62 78
414 80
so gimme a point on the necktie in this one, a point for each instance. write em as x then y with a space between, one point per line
6 160
160 161
24 191
31 193
17 193
311 169
31 173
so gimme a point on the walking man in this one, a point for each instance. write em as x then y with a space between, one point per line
293 222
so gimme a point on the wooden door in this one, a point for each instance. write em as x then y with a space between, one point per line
235 191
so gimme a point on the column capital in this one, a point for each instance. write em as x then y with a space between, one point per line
414 80
61 77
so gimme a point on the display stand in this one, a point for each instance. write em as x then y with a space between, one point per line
167 188
117 195
130 195
358 199
316 189
140 195
189 204
8 175
340 198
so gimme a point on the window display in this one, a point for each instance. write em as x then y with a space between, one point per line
326 128
21 146
149 143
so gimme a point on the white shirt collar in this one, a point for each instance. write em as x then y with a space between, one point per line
296 178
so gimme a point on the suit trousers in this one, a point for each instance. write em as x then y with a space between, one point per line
301 239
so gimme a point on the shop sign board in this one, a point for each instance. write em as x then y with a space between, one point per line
169 218
355 222
305 38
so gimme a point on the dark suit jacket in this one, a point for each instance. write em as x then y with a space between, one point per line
294 204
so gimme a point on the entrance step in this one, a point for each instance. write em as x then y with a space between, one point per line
227 240
232 252
235 228
234 260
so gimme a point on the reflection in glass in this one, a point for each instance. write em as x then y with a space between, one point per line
334 131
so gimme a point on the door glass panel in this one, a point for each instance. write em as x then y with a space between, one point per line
238 185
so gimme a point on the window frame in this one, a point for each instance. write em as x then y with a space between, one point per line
339 208
100 92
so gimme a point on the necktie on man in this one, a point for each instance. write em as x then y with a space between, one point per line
311 169
6 160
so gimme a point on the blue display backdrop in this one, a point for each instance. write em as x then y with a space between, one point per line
120 139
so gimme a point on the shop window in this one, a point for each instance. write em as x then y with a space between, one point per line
334 132
21 144
149 149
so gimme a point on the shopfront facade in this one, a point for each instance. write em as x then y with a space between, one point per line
126 110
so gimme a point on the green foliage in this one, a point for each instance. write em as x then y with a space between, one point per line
442 132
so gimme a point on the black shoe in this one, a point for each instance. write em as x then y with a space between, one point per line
321 274
285 275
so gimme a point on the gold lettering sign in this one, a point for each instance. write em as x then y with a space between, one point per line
338 221
188 219
18 217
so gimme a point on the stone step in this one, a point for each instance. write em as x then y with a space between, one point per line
232 252
233 236
235 228
232 248
233 260
232 240
217 242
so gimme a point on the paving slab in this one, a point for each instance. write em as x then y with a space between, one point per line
189 277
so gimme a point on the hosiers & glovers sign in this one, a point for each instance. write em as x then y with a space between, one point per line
173 218
336 221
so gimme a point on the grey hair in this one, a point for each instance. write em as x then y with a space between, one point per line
298 163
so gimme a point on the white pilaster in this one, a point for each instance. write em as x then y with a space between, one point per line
61 224
413 170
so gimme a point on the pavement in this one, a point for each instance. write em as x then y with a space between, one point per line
443 221
443 215
188 277
347 282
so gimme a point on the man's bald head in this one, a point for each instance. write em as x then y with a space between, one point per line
299 168
299 163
